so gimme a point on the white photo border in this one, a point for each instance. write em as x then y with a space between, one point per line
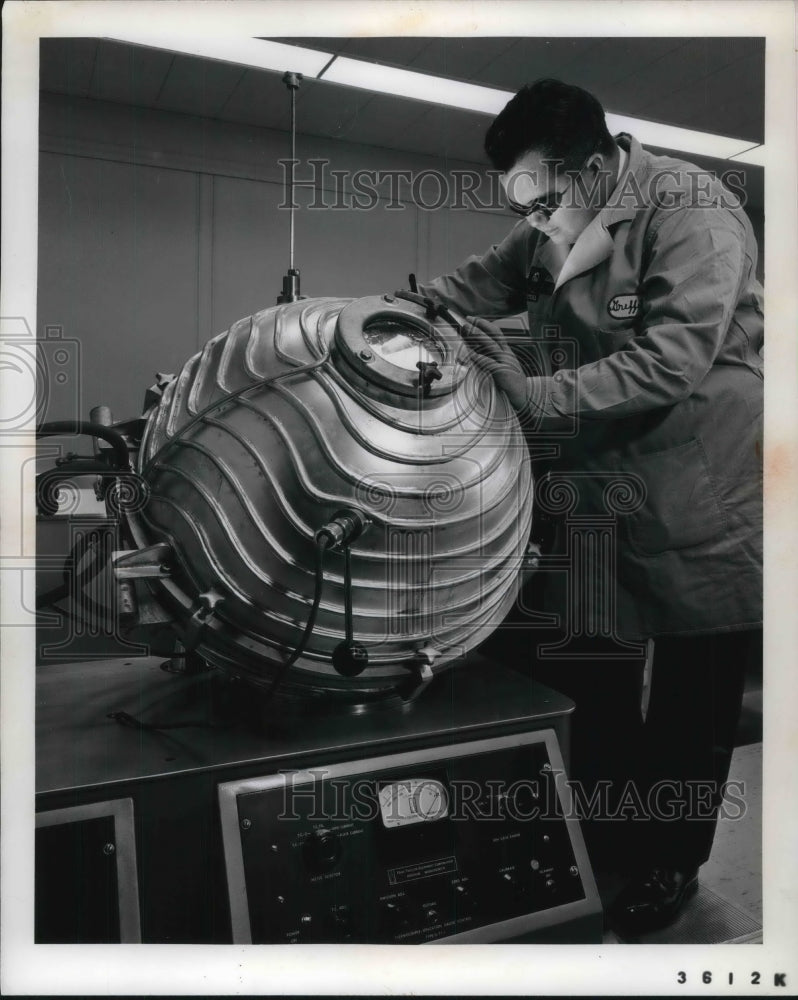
464 970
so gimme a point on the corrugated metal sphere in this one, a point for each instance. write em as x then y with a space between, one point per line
314 406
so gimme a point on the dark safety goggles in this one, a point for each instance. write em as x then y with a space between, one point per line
545 206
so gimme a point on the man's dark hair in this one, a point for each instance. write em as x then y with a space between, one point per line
558 121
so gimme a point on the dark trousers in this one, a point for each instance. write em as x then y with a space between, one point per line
697 688
649 791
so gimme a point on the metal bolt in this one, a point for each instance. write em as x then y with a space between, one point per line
366 356
108 849
246 824
389 298
275 848
546 769
573 870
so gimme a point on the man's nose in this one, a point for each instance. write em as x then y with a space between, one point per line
537 220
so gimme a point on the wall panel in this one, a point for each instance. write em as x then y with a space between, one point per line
357 251
250 248
118 271
346 252
460 233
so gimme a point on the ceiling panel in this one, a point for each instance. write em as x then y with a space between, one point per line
460 58
129 74
751 127
67 65
610 68
530 59
258 98
394 51
691 67
324 109
328 109
198 86
729 101
377 122
446 132
324 43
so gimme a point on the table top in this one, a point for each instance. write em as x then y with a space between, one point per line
78 745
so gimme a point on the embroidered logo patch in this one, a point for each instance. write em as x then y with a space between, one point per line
623 306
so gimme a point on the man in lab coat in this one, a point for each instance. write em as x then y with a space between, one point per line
642 271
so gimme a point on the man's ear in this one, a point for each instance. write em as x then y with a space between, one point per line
601 166
597 162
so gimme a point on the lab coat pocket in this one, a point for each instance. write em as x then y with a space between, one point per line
682 507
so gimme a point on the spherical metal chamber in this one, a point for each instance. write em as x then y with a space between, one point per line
302 410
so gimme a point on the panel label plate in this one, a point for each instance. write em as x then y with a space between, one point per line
424 869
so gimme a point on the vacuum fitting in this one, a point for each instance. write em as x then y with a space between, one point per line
347 525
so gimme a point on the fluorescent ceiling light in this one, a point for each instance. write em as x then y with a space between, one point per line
683 139
754 154
279 57
417 86
254 52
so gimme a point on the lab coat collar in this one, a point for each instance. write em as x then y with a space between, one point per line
593 246
550 256
595 243
625 201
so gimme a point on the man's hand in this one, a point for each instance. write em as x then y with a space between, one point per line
494 355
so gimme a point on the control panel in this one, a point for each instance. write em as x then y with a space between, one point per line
473 842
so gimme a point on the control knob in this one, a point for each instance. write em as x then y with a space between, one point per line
322 851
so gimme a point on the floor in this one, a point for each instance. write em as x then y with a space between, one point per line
728 905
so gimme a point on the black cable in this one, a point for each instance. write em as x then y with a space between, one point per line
125 719
322 541
349 657
349 627
114 438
